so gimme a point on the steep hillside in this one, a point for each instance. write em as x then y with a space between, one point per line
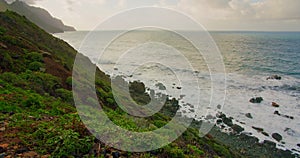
38 16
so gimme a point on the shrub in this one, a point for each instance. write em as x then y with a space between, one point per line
34 56
65 95
35 66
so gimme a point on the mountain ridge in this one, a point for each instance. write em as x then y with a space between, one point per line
39 16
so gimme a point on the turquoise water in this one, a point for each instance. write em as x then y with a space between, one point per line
249 57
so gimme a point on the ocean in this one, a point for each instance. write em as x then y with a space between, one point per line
170 64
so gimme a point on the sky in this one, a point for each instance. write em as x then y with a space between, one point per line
250 15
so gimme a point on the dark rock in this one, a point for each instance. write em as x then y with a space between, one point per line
219 121
116 69
275 105
276 113
116 154
2 150
227 121
178 87
237 128
298 145
22 150
256 100
277 136
274 77
265 133
269 143
258 129
249 115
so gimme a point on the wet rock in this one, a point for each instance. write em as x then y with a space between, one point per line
249 115
258 129
160 86
227 121
277 137
274 77
237 128
298 145
275 105
219 121
256 100
116 154
276 113
265 133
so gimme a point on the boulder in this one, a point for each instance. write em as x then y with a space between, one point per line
277 137
275 105
237 128
256 100
298 145
274 77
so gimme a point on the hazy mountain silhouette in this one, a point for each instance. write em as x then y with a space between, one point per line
39 16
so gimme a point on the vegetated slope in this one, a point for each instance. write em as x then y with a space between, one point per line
37 15
37 113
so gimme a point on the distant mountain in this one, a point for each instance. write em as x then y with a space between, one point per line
39 16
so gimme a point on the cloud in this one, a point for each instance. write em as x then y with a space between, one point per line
242 9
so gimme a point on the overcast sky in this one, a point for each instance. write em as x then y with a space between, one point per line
263 15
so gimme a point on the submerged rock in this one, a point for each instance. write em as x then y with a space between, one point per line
275 105
277 137
265 133
256 100
258 129
249 115
274 77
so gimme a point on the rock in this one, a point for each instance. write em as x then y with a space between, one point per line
219 121
227 121
249 115
3 45
277 136
265 133
270 143
2 155
237 128
258 129
274 77
178 87
2 129
160 86
298 145
256 100
2 150
116 154
276 113
275 105
30 154
22 150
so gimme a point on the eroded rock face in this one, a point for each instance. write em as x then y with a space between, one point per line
256 100
274 77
